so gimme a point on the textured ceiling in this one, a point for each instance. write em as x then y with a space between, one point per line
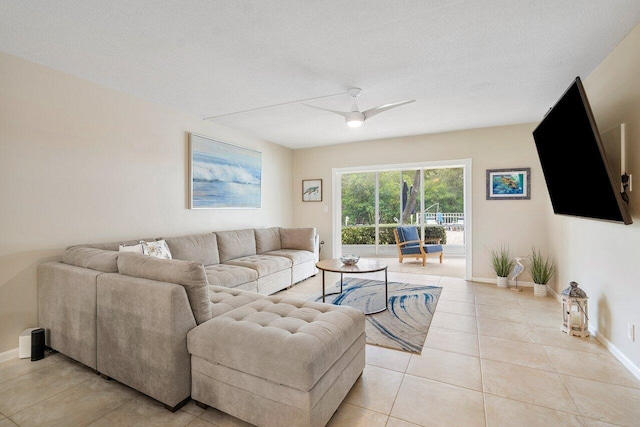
468 64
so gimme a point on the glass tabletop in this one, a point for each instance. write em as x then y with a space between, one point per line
364 265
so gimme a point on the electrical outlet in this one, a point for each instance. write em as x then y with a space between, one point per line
631 331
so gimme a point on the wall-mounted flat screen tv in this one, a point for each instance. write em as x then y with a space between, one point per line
575 166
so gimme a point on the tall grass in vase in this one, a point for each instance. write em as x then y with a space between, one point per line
502 264
541 270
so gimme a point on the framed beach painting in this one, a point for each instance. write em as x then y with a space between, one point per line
509 184
223 175
311 190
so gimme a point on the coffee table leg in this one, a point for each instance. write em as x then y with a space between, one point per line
340 282
386 289
322 285
386 296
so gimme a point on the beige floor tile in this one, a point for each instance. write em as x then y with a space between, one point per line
29 389
444 366
497 300
456 322
506 314
516 352
144 411
526 385
593 366
548 305
6 422
556 338
376 389
14 368
588 422
428 403
221 419
192 408
460 296
508 330
503 412
353 416
396 422
387 358
605 402
450 340
199 422
540 318
456 307
79 405
313 284
446 281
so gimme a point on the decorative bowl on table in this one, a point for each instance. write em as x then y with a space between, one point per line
350 259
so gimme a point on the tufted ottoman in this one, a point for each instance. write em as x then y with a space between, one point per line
278 361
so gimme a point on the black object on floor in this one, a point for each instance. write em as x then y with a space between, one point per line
37 344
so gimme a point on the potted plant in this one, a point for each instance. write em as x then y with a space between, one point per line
541 269
502 264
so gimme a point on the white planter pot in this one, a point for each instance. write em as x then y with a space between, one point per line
503 282
539 290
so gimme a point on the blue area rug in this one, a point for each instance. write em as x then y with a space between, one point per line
404 325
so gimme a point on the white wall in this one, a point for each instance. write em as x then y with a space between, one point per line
604 257
517 223
80 163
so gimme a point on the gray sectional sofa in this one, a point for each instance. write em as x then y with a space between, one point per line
202 324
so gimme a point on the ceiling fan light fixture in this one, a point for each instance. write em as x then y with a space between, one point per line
354 119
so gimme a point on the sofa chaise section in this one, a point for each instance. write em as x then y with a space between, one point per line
278 361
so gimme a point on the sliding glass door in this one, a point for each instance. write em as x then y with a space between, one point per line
373 203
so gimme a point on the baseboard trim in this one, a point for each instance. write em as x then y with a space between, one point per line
8 355
616 353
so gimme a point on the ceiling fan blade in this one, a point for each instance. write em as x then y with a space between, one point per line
373 111
342 113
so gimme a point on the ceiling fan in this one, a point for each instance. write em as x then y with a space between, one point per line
355 118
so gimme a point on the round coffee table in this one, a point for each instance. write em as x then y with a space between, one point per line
363 266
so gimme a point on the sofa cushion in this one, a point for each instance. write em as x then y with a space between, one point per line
283 340
95 259
236 244
229 276
263 264
298 238
190 275
224 299
267 239
296 256
196 247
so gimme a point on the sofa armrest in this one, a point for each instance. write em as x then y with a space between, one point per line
142 328
67 309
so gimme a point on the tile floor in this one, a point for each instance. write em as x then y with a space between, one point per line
492 357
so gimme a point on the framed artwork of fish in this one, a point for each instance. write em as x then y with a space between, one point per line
509 184
223 175
311 190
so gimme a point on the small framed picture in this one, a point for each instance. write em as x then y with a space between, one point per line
311 190
509 184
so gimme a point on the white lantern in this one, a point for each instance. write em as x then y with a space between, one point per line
575 317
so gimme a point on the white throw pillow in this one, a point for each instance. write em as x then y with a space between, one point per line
131 248
157 249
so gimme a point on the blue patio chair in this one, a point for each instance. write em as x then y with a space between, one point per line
410 246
